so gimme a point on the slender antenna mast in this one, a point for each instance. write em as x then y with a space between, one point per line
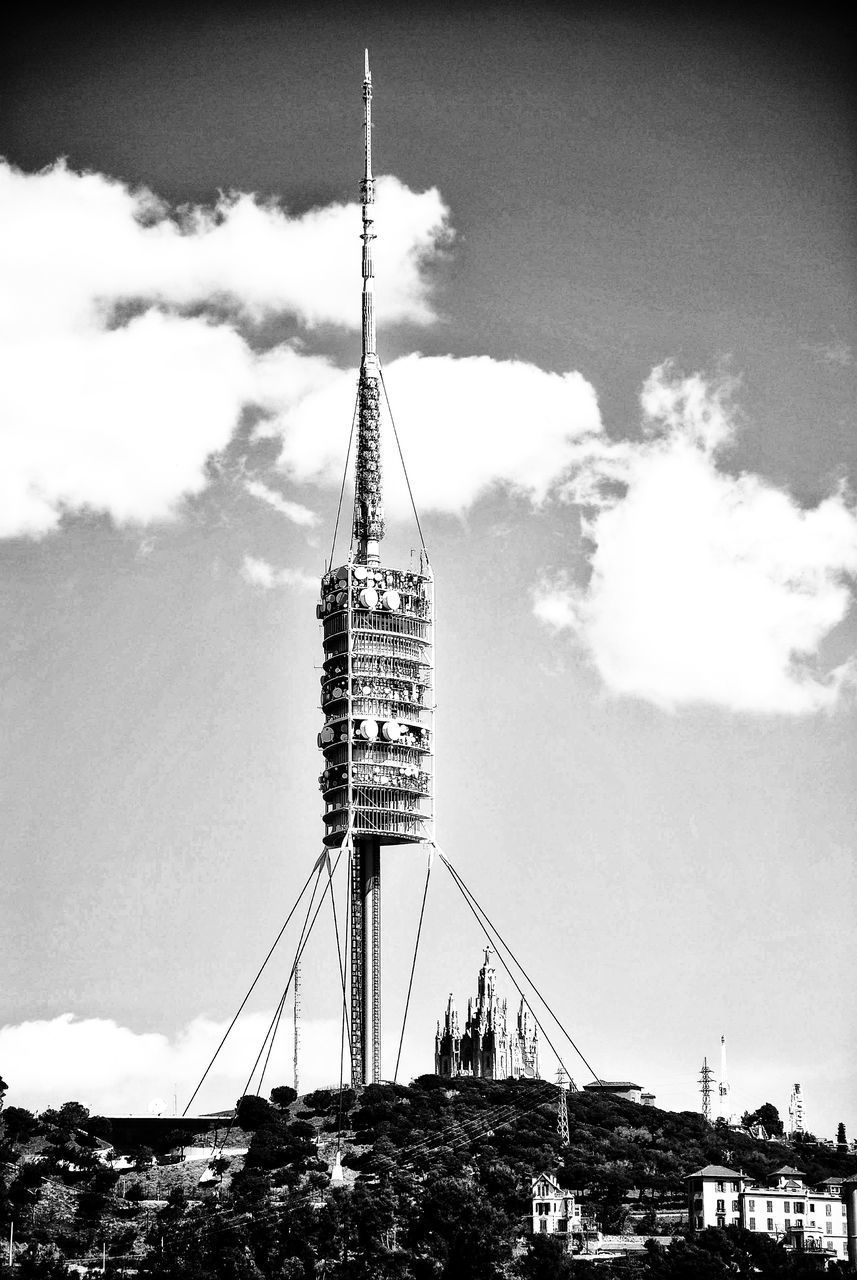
297 1018
368 529
723 1087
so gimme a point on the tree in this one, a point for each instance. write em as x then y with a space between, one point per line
546 1258
283 1096
4 1088
767 1116
841 1140
70 1116
37 1263
98 1127
20 1124
253 1112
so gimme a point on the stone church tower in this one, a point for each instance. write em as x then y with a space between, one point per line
486 1047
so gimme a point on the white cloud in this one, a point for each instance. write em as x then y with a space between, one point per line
118 420
294 511
259 573
117 411
706 587
465 425
73 245
113 397
110 1068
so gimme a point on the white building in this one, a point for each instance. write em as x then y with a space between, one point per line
555 1211
806 1218
622 1089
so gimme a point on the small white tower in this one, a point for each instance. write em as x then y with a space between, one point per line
724 1096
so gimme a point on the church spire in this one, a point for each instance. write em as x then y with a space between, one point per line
368 529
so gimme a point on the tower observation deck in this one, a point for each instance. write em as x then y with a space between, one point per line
376 684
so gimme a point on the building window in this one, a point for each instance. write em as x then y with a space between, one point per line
787 1207
799 1223
720 1186
828 1226
721 1206
736 1186
562 1225
735 1206
811 1207
751 1205
788 1224
699 1221
721 1221
799 1206
543 1226
828 1209
770 1224
752 1224
736 1221
770 1205
828 1244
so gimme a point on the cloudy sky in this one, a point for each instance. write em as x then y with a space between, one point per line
617 308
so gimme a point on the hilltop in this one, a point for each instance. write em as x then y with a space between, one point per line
436 1184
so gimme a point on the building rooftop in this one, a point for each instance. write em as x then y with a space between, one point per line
715 1171
787 1170
612 1084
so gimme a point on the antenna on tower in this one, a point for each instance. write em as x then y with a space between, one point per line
368 528
795 1111
723 1095
705 1079
297 1019
562 1107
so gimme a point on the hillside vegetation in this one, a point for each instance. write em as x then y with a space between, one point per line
437 1187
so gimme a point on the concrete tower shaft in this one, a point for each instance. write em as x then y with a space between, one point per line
376 686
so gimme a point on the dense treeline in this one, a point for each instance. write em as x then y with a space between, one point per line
438 1188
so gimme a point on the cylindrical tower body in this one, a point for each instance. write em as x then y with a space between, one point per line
377 782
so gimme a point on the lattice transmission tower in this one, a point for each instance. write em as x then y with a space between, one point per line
705 1081
562 1107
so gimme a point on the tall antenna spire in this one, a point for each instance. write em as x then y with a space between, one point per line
368 529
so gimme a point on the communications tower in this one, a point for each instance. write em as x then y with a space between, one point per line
705 1078
376 685
723 1089
795 1111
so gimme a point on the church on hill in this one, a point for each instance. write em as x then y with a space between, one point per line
486 1047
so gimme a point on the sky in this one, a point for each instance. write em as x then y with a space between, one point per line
616 296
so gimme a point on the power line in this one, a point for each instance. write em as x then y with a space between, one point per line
487 919
251 988
413 967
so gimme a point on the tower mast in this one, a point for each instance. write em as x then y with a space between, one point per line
368 498
376 684
705 1078
368 530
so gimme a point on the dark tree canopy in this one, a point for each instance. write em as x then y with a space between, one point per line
766 1115
254 1112
283 1096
